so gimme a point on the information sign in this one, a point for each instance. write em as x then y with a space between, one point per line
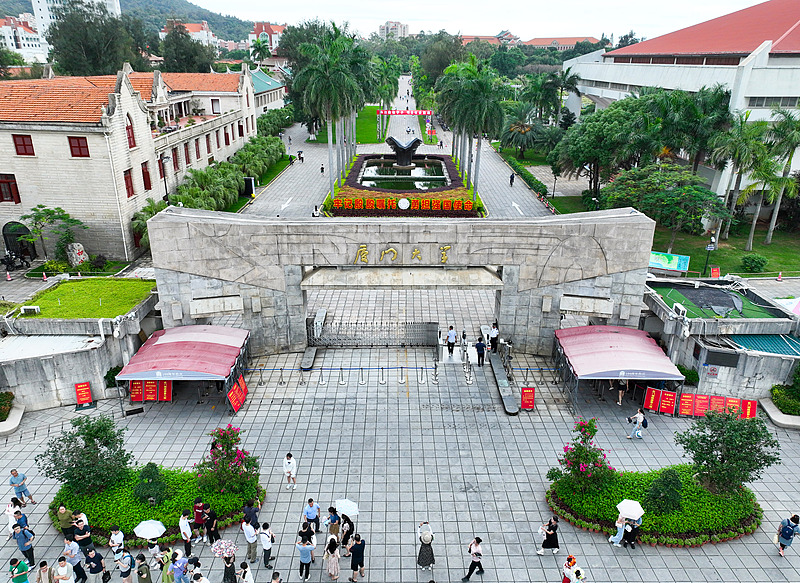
135 390
83 393
151 390
528 397
717 403
165 390
667 404
732 404
236 397
651 399
748 409
686 404
700 405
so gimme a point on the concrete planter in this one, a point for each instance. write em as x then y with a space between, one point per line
11 424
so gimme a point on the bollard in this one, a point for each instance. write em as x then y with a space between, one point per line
468 376
261 377
281 382
421 377
341 376
361 380
435 379
321 382
525 378
402 375
381 377
302 381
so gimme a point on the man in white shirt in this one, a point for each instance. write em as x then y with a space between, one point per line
115 541
290 471
186 533
494 333
451 341
252 541
266 537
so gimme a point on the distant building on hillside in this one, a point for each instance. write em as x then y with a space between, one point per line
199 31
560 43
233 45
502 38
394 29
44 11
266 31
20 37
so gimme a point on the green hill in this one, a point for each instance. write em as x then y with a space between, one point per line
154 14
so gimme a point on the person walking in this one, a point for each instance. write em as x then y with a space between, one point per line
199 523
332 556
631 532
115 540
334 522
637 420
11 510
186 534
476 554
212 528
63 571
20 484
494 334
44 574
480 348
228 569
290 471
125 563
96 565
164 563
304 547
570 566
356 549
347 531
24 538
311 514
616 538
451 341
550 541
178 568
252 540
511 180
425 558
306 534
73 554
322 169
18 571
787 531
622 388
142 569
245 574
266 537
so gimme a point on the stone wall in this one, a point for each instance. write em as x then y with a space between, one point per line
210 263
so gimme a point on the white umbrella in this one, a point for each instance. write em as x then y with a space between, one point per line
630 509
149 529
346 506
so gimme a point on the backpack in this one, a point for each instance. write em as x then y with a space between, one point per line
787 530
644 422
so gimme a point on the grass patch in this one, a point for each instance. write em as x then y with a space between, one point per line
782 255
703 516
118 505
785 399
111 268
568 204
531 158
273 171
422 129
366 128
90 298
238 205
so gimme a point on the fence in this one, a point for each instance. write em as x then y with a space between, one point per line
371 334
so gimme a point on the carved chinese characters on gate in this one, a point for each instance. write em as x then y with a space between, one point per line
386 254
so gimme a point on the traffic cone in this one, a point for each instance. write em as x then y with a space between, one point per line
44 276
79 275
780 276
8 275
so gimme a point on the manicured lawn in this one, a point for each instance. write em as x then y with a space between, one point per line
238 205
568 204
366 128
531 158
90 298
426 138
273 171
783 254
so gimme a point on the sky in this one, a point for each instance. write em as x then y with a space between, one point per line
525 18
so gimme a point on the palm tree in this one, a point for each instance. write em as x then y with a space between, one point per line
259 50
140 218
519 131
547 138
388 84
743 145
540 90
765 172
564 80
327 84
785 139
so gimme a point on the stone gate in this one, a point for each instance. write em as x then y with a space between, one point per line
209 264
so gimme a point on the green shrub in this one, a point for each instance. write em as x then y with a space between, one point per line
54 266
111 376
692 376
226 468
536 185
98 262
754 263
583 461
785 400
6 402
664 495
151 485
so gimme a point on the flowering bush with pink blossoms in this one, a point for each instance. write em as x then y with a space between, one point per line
583 460
227 467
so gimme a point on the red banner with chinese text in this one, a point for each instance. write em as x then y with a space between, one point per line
701 403
716 403
242 385
528 397
151 390
651 399
749 409
83 393
135 390
667 404
165 390
686 404
236 396
732 404
405 112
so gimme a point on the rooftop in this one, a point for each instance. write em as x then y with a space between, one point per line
712 302
220 82
771 343
561 40
263 82
63 99
738 33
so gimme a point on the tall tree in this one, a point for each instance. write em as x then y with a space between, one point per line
765 174
628 39
519 131
183 54
443 50
784 140
259 50
565 80
8 59
541 91
87 40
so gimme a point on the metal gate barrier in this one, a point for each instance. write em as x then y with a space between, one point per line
369 334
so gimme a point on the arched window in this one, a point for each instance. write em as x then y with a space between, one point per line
129 131
263 36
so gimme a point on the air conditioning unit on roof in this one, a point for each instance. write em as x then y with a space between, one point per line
679 310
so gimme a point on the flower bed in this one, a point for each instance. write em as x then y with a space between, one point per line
6 402
118 505
704 517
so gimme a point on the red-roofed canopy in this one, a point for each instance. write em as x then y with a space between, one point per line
187 353
614 352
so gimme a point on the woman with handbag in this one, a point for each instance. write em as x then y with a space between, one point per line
332 556
550 536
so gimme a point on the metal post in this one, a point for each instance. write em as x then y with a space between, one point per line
281 382
468 375
261 377
381 377
421 377
341 376
435 379
361 380
321 382
402 375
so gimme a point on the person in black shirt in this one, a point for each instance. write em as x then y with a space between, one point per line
97 566
83 536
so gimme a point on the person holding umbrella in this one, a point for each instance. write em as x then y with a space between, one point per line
633 512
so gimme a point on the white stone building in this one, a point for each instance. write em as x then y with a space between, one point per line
20 36
394 29
44 11
91 146
754 52
198 31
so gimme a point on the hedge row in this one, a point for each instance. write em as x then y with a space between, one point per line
536 185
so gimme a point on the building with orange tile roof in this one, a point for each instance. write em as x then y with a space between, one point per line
198 31
100 146
754 52
266 31
503 37
560 43
20 36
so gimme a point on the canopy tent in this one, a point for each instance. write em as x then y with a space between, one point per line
188 353
613 352
609 352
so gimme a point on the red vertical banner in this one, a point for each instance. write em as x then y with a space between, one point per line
83 393
235 397
686 404
700 405
716 403
242 385
164 390
651 399
528 397
151 390
732 404
135 390
748 409
667 404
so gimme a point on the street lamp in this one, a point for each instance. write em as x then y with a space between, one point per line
709 248
163 160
